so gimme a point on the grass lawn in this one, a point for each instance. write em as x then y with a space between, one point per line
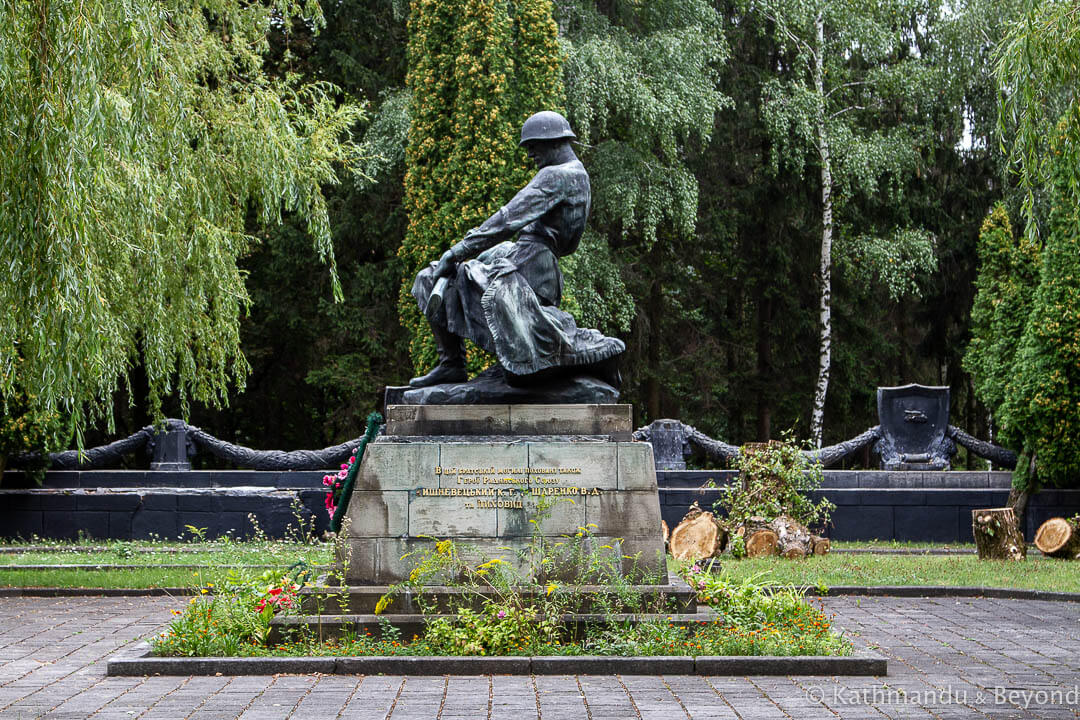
1036 573
263 553
149 561
901 546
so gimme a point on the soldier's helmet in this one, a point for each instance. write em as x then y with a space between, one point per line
546 125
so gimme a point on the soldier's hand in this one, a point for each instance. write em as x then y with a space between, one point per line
445 267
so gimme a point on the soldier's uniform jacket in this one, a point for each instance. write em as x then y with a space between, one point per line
506 298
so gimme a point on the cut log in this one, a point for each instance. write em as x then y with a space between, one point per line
699 536
820 545
780 536
666 533
793 537
762 543
997 534
1059 537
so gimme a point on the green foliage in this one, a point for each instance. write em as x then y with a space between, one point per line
865 68
383 146
139 141
537 82
843 65
466 105
493 631
1008 276
26 428
1040 115
759 620
1036 66
318 367
719 322
774 480
643 95
497 611
641 84
762 231
505 616
899 261
224 620
1044 399
594 291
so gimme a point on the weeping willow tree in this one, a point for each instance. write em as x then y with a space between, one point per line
1036 67
142 141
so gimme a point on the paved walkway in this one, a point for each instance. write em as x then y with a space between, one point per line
948 659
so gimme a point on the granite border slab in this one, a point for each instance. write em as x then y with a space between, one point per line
138 661
905 591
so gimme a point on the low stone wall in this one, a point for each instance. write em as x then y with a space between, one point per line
135 504
883 505
130 504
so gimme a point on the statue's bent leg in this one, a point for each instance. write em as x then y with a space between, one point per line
451 367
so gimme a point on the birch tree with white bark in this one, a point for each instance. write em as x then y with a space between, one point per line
838 114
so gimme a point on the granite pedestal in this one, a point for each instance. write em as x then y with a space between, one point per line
477 474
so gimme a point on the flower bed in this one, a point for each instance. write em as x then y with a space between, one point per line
747 619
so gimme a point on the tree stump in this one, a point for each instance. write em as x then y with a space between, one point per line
698 537
1059 537
997 534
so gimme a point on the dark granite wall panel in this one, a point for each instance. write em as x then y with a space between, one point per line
911 506
884 505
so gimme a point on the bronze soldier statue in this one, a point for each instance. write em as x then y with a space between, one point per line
503 293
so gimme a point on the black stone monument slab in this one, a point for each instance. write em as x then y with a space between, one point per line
914 419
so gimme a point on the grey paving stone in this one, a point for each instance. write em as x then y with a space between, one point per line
52 653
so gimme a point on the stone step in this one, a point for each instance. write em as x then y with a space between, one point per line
362 599
410 625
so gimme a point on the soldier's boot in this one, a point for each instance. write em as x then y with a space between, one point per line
451 367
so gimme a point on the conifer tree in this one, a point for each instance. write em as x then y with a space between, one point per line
537 61
466 105
1008 276
431 82
1043 403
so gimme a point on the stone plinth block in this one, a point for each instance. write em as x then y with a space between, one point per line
492 496
491 388
494 420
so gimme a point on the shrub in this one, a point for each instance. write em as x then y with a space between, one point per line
234 617
775 479
758 620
